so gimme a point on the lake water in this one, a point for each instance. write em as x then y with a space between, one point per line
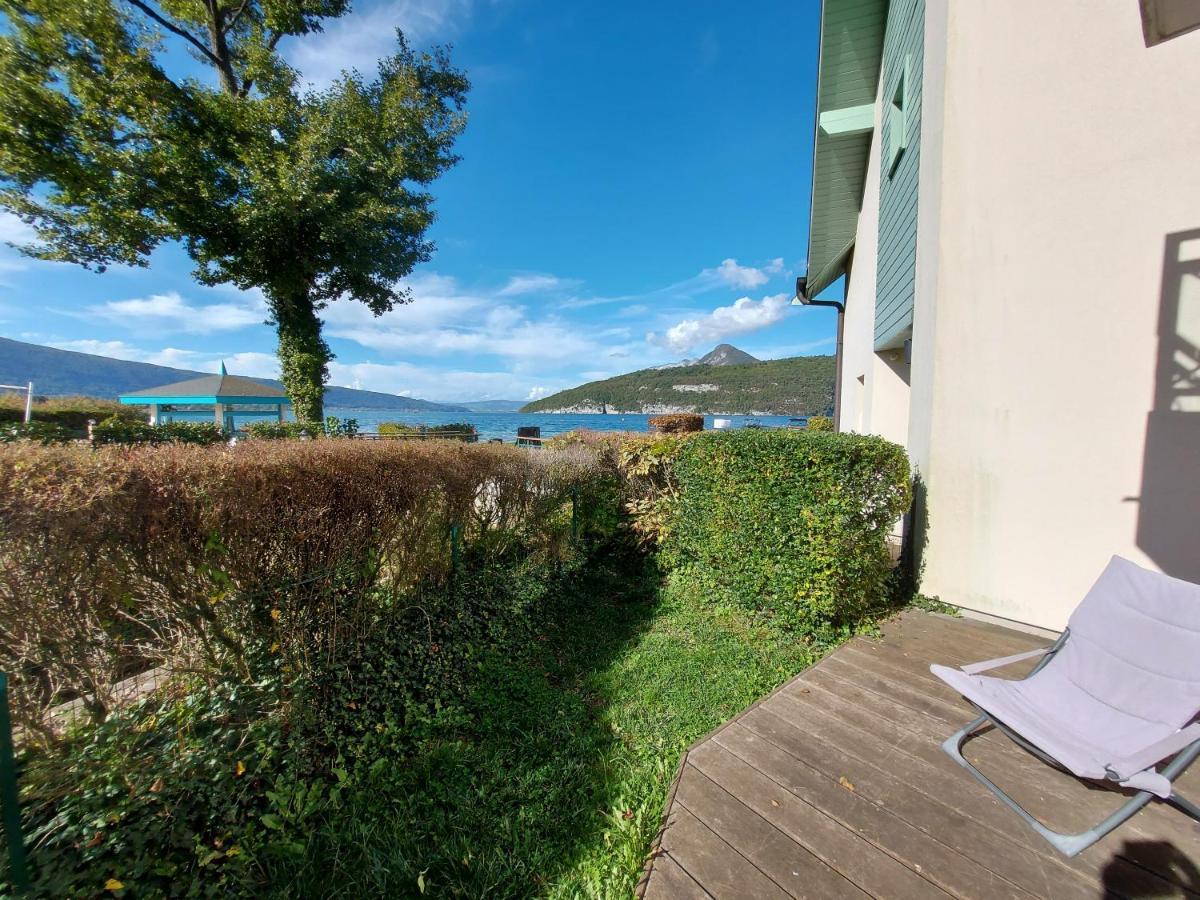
504 425
493 424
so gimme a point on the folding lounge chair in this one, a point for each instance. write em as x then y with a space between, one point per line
1112 698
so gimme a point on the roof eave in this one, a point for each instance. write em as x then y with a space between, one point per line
847 84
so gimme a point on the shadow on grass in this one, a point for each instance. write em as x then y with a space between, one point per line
502 805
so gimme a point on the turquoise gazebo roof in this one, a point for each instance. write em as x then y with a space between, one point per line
222 388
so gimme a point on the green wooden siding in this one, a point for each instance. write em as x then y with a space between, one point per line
903 57
851 48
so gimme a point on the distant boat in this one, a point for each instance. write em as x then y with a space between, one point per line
798 422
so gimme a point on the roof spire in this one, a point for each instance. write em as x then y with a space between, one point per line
223 372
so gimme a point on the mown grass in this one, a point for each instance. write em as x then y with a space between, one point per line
553 783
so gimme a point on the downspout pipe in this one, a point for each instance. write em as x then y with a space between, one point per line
803 299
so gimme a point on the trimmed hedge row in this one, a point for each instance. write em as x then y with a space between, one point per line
279 431
71 413
125 431
459 431
41 432
206 558
792 524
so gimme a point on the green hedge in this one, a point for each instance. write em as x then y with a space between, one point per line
277 431
459 431
72 413
792 524
42 432
123 431
820 423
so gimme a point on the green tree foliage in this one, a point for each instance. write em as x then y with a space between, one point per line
309 195
800 385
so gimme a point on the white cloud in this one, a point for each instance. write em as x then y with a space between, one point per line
360 39
534 284
536 393
250 364
437 301
170 313
743 316
445 319
14 231
728 274
439 385
745 277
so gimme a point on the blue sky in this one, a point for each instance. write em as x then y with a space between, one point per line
633 190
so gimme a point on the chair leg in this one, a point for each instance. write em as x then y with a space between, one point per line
1185 805
1067 844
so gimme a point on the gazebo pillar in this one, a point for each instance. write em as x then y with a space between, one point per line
153 413
219 415
279 411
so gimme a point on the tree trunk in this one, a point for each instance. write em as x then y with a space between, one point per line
303 354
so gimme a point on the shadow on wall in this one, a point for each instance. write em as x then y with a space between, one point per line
1169 512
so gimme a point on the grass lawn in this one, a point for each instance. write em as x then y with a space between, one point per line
554 782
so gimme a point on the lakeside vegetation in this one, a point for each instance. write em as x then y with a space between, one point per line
408 667
72 413
796 386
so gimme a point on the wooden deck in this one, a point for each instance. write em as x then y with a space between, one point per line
836 786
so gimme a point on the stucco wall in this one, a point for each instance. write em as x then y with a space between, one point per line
1069 230
858 335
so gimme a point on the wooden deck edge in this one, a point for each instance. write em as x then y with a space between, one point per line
656 845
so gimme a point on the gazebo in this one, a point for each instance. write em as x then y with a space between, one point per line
228 395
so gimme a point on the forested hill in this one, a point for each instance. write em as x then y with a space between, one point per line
798 385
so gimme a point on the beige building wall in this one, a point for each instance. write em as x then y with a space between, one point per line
859 323
1063 424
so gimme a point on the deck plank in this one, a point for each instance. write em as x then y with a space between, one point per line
717 867
834 842
836 785
786 863
671 882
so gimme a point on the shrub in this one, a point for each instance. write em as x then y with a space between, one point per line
647 468
462 431
820 423
392 428
230 561
72 413
676 423
459 431
41 432
340 428
125 431
789 523
275 431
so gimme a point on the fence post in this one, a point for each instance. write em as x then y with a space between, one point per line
455 545
17 872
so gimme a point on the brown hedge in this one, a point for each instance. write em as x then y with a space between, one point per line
207 559
677 423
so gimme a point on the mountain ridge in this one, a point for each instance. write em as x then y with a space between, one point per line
726 355
56 372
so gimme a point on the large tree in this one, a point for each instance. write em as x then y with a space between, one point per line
113 140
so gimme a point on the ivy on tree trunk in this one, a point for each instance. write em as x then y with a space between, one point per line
303 355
